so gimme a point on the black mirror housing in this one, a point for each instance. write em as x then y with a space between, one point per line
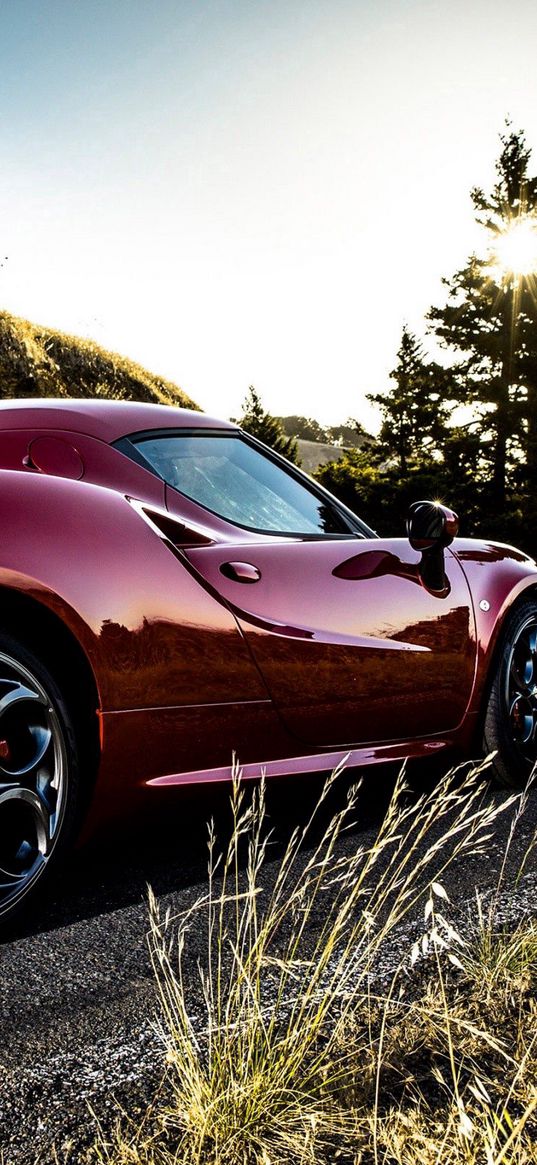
430 524
430 528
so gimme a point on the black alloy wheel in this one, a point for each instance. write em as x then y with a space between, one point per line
510 727
38 775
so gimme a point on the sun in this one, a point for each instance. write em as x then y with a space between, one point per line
515 251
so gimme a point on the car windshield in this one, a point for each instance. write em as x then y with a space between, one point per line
240 483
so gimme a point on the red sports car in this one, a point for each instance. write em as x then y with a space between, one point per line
173 591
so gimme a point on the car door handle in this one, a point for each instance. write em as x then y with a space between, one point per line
244 572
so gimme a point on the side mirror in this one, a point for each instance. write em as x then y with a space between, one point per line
430 528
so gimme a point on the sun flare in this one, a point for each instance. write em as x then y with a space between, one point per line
516 248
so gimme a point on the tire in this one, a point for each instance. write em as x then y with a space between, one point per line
39 776
510 727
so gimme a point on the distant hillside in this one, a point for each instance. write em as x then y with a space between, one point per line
316 453
37 361
351 434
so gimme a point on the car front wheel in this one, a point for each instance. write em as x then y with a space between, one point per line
38 775
510 727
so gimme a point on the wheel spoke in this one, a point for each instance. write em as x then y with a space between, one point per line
523 668
24 731
25 835
522 719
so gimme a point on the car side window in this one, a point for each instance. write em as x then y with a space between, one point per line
240 483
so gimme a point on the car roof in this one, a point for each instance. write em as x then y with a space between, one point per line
106 419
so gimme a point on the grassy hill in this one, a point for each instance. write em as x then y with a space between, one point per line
36 361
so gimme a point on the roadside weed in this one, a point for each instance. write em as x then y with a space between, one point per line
279 1046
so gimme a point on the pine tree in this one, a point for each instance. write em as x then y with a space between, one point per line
260 424
414 412
490 318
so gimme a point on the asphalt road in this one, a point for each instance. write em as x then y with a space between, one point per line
77 1000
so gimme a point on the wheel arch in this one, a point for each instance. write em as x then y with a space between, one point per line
490 647
45 633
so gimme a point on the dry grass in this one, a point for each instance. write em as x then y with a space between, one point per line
37 361
294 1059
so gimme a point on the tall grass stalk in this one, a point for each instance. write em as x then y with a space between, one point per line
288 958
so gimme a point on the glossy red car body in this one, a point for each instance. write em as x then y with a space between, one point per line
307 650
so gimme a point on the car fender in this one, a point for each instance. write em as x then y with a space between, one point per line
151 633
498 576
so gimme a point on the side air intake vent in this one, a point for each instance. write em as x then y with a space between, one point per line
172 529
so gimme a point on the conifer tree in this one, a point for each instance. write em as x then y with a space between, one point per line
490 319
266 428
414 412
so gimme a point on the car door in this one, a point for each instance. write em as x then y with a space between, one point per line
351 645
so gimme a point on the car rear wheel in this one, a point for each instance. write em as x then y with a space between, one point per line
39 779
511 716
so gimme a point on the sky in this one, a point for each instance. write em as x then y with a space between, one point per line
237 192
